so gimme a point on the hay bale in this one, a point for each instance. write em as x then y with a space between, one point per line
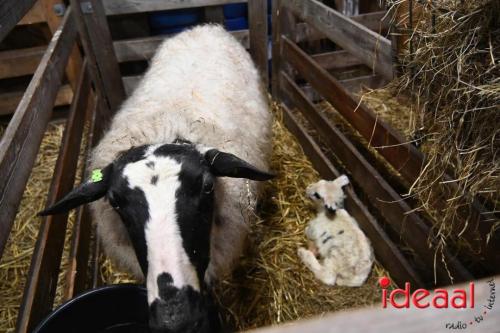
453 79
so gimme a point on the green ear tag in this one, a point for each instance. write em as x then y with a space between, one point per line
96 176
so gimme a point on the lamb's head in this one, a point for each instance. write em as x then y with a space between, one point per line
164 195
328 194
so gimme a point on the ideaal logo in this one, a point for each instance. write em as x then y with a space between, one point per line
458 298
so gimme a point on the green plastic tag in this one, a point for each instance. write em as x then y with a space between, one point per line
96 175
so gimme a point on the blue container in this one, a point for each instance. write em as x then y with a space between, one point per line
240 23
168 31
235 10
175 18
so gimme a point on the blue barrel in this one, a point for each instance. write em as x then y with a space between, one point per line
240 23
235 10
175 18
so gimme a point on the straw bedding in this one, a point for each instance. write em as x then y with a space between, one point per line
451 73
270 286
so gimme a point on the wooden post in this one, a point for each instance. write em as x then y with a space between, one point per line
11 12
98 46
54 10
257 22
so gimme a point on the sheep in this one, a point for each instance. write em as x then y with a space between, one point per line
172 198
345 253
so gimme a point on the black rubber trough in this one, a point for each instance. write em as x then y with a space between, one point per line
111 309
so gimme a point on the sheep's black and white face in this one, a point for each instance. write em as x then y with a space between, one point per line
164 195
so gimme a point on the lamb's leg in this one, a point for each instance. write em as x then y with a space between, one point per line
324 273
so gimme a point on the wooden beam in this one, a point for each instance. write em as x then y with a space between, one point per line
386 251
54 21
355 84
391 206
42 280
372 21
79 251
119 7
35 15
336 60
405 158
20 62
373 49
144 48
11 12
214 14
10 101
98 47
257 23
21 140
377 319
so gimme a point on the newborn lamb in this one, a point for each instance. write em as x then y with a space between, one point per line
345 254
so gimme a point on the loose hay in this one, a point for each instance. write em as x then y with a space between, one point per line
453 78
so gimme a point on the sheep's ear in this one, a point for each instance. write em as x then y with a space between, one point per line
342 180
228 165
95 188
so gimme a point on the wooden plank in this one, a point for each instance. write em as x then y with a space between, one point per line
10 101
386 251
391 206
355 84
376 319
373 49
79 251
20 62
21 140
75 59
144 48
42 280
336 60
257 22
403 157
98 47
214 14
372 21
35 15
119 7
11 12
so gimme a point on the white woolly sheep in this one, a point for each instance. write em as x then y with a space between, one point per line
159 172
346 256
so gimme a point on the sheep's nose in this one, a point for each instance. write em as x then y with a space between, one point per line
330 210
165 317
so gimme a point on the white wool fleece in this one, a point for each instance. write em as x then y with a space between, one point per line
201 86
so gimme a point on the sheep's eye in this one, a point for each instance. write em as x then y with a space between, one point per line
316 195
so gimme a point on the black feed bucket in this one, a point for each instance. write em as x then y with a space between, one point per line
111 309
